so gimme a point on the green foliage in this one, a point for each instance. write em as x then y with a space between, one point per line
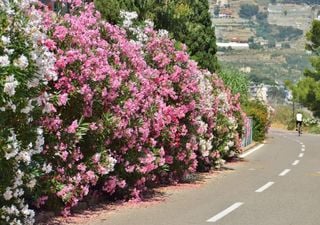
259 113
312 2
285 45
262 16
236 81
110 9
253 45
277 33
307 90
247 11
216 10
271 44
187 21
313 37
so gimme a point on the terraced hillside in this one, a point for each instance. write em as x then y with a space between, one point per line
278 39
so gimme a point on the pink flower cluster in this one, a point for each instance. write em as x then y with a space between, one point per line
126 115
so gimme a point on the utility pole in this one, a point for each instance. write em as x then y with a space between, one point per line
293 109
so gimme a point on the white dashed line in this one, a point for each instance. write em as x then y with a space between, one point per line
295 162
303 149
283 173
301 155
251 151
264 187
224 212
303 146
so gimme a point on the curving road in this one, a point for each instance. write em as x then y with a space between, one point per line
278 184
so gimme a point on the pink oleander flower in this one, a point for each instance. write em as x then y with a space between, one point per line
73 127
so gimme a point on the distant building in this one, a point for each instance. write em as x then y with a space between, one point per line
246 69
222 2
225 13
233 45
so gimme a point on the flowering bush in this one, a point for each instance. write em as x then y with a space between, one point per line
220 122
93 106
25 68
99 121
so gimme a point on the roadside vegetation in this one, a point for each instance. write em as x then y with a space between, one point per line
92 108
306 91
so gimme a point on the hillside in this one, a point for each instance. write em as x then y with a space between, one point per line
276 36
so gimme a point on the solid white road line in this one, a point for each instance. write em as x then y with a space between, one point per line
251 151
295 162
225 212
283 173
301 155
264 187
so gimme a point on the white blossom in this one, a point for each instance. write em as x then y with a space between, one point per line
4 61
21 62
7 195
5 40
25 157
12 106
28 108
9 51
230 143
128 18
163 33
32 183
47 168
10 85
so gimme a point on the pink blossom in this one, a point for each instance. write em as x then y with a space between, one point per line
73 127
169 159
62 99
60 32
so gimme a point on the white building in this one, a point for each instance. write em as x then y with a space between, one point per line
233 45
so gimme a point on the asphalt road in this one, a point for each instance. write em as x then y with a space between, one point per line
278 184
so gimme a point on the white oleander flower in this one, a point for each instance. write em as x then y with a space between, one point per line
25 157
31 184
28 108
230 144
5 40
47 168
10 85
22 62
4 61
7 195
9 51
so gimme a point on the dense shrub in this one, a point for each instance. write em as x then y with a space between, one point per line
247 11
260 115
102 108
25 67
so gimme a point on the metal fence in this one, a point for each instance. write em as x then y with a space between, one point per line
247 135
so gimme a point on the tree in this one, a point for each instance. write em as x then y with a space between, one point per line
307 90
262 16
271 44
247 11
216 10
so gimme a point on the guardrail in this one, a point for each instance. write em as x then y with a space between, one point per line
247 135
